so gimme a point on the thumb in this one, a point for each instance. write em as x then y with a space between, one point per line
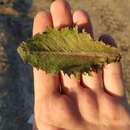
113 76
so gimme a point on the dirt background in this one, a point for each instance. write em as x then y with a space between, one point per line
16 80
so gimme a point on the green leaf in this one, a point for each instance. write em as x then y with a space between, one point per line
66 49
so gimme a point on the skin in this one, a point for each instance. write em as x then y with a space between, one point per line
95 102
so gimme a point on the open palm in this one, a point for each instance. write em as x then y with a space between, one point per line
94 102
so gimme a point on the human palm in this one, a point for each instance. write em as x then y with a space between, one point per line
95 102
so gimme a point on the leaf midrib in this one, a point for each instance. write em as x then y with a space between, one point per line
83 54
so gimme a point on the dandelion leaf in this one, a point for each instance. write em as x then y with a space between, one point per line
66 49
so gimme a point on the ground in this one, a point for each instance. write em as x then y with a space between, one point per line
16 80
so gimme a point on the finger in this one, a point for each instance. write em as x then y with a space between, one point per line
113 80
61 14
70 83
44 84
94 81
41 21
82 20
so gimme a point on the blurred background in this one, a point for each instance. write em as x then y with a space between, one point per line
16 80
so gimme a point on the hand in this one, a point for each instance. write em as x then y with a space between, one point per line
95 102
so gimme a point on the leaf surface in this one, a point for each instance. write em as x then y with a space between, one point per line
66 49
